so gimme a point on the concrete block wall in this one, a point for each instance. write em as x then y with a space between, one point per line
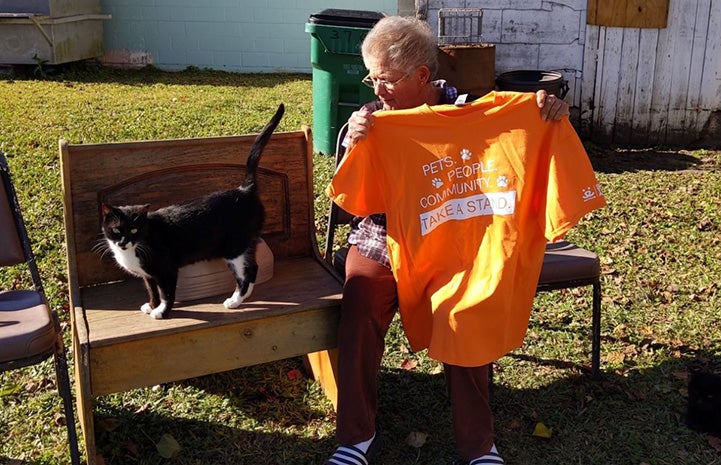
232 35
528 34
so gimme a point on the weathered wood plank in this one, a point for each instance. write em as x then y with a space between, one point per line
628 13
648 39
98 167
624 114
711 81
696 67
661 84
609 85
681 48
163 358
591 64
113 310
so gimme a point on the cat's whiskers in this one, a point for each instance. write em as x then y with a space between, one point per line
101 246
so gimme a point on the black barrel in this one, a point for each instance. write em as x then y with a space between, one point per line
532 80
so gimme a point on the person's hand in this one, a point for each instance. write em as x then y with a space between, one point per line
358 125
552 107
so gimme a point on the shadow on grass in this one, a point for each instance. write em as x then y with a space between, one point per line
629 416
606 160
90 72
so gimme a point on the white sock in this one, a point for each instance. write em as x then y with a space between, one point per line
365 444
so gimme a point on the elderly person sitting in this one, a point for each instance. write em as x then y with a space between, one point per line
401 55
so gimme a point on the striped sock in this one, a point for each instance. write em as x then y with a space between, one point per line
491 458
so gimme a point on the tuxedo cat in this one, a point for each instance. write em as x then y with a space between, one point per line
227 224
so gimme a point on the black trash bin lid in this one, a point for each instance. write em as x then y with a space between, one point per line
349 18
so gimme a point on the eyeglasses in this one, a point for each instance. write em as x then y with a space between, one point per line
389 85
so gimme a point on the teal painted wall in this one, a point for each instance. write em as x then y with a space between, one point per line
262 36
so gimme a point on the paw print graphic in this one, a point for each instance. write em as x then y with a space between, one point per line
437 182
465 154
502 181
588 194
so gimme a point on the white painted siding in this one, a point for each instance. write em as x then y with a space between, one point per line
627 85
656 86
529 34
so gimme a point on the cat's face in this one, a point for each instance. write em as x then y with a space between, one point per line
125 226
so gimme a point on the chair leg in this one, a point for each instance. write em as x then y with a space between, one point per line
61 370
596 329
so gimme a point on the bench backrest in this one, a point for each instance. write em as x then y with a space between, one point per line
171 171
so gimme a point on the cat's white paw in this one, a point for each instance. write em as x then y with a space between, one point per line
158 311
157 314
146 308
236 299
233 302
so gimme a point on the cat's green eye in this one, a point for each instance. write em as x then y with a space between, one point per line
134 231
116 231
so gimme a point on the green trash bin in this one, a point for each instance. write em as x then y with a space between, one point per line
336 37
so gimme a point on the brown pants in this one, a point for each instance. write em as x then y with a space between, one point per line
369 304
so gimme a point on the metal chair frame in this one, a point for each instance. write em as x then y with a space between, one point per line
57 351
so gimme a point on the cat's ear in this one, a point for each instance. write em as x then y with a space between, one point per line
144 209
106 209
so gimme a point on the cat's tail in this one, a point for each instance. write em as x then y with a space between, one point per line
251 166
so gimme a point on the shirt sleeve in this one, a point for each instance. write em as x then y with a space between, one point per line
356 185
573 189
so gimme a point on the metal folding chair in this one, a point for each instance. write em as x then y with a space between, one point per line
29 330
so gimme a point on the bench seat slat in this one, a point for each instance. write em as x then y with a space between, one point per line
113 310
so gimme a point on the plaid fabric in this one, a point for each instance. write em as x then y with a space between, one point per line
369 233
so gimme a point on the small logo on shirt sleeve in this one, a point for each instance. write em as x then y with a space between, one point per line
591 192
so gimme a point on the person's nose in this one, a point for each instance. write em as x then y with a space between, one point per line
380 90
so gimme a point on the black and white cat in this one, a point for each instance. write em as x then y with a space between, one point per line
227 224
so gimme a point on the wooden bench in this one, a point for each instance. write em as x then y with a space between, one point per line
118 348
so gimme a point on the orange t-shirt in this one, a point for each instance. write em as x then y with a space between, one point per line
471 195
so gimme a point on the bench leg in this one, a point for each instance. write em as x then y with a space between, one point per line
324 365
84 399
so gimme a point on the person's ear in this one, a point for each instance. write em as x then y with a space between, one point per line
423 73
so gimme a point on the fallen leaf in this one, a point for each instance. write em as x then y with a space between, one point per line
295 374
131 448
416 439
142 408
167 447
714 442
542 431
59 419
615 357
409 364
438 369
107 424
9 390
514 424
680 375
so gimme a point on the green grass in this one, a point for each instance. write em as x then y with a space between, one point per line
659 239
